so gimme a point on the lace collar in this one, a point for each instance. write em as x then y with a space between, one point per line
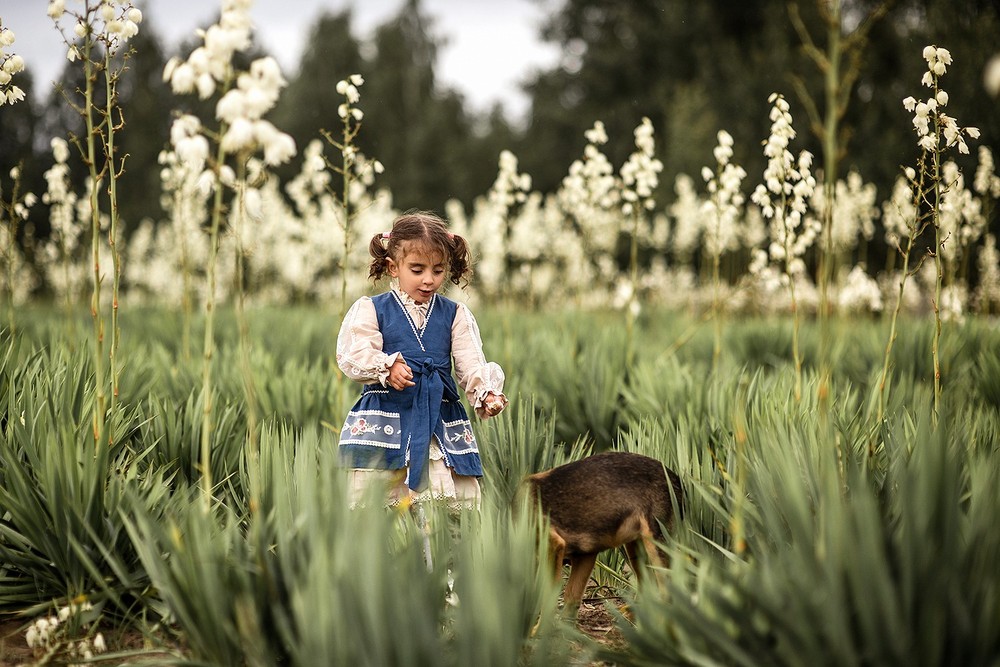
424 309
408 301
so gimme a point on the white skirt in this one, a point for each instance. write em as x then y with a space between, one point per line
459 491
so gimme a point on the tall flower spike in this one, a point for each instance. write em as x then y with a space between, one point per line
935 129
10 64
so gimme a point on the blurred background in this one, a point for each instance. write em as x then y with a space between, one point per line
693 68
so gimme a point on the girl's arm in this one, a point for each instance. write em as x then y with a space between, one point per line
482 380
359 345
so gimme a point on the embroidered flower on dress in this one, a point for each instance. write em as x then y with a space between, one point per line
362 426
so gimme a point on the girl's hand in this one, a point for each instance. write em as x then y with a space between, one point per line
493 404
400 375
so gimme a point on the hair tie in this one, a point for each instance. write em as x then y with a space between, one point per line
386 235
451 237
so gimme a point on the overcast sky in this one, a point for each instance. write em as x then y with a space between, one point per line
491 45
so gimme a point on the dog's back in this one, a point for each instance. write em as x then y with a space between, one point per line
601 502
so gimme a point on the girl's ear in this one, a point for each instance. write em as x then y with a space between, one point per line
392 266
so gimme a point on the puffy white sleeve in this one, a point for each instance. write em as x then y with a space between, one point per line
477 376
359 345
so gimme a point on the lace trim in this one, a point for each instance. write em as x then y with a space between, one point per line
418 332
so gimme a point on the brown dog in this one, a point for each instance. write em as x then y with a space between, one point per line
602 502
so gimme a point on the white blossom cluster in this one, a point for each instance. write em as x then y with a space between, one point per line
210 64
854 211
65 269
688 214
17 280
51 634
112 22
165 259
291 253
859 293
723 207
241 109
936 130
640 173
360 170
783 197
988 291
10 64
589 193
491 235
986 182
960 216
23 203
899 212
598 207
349 89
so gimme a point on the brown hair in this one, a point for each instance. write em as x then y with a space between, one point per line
426 229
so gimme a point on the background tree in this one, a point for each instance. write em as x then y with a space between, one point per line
414 126
148 100
695 68
309 103
19 134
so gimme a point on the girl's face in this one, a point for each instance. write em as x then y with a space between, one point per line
419 270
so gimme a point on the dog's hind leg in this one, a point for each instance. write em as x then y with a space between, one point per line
557 552
632 553
580 568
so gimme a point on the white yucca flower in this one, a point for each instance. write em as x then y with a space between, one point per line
988 292
784 195
640 173
899 214
937 131
686 212
10 64
986 182
860 293
211 63
854 211
960 215
589 194
724 205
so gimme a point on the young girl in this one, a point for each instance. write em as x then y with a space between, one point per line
409 429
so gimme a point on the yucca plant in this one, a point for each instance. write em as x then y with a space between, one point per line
582 387
173 428
300 391
60 535
842 568
304 579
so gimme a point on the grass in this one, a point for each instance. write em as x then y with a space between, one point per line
813 534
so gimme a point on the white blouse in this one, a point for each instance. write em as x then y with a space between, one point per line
360 355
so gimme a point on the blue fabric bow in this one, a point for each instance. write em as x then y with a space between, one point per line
429 390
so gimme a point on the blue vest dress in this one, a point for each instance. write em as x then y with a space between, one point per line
392 429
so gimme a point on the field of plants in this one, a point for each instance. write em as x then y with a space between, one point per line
815 532
170 486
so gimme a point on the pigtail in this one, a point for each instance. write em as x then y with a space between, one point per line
378 248
460 259
426 228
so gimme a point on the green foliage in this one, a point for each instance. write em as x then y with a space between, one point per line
60 491
812 532
844 569
286 587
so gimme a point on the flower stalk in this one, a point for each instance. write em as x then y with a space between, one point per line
937 133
